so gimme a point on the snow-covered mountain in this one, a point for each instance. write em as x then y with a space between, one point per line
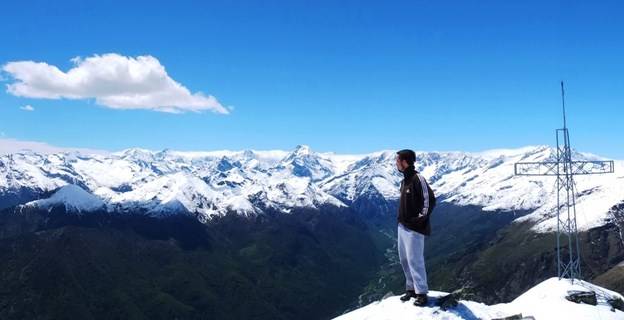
73 197
248 182
547 300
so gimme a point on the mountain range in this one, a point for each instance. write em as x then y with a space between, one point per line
207 184
297 234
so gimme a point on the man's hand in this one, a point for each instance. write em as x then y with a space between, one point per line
419 219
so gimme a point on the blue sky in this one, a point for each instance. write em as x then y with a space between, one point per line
343 76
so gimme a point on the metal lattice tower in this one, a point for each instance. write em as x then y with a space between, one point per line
565 168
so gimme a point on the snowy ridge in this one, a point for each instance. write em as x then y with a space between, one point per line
74 198
545 301
249 181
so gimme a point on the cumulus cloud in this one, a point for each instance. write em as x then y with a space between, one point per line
113 80
28 108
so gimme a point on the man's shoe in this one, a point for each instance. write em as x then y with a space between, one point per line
408 295
421 300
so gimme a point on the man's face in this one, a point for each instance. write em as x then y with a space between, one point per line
401 164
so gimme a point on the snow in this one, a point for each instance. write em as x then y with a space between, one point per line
267 155
545 301
244 181
73 197
598 193
495 153
393 308
166 193
489 182
341 162
374 173
25 170
105 172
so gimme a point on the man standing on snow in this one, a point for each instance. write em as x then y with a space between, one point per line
415 206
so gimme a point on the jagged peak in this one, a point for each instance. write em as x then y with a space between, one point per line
300 151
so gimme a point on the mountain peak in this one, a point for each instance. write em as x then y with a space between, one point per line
135 152
249 154
302 149
73 197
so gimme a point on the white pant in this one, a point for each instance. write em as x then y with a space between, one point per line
411 246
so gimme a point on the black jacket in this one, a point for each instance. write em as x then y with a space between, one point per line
416 202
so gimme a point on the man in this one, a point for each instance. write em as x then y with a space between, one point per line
415 206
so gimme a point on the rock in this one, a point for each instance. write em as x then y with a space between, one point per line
588 297
616 303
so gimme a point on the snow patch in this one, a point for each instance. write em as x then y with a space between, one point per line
545 301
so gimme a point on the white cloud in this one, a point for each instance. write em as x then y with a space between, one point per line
27 108
8 145
113 80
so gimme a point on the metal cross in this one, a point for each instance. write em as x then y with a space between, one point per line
565 168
